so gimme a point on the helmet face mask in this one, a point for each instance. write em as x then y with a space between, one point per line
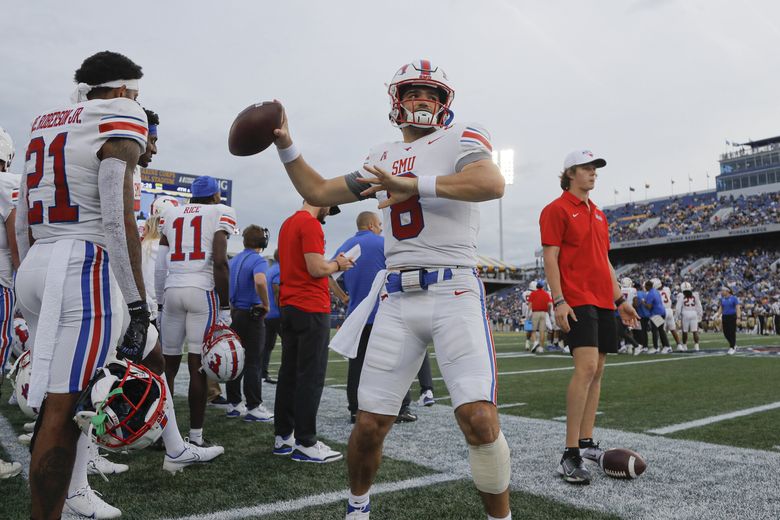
123 407
626 283
420 73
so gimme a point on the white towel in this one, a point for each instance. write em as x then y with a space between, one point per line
49 322
346 340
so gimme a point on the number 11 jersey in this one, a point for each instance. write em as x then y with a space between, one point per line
432 232
190 233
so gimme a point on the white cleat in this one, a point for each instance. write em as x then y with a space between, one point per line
639 350
100 465
9 469
651 350
12 400
682 348
29 426
191 454
666 350
358 513
259 414
25 439
566 349
696 348
86 502
320 453
623 350
731 351
426 398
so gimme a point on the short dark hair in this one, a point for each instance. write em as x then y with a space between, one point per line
202 200
151 117
255 237
565 179
106 66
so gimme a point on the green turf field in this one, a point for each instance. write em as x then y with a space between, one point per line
648 392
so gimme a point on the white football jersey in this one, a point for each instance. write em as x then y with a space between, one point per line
190 232
689 305
526 303
431 232
628 293
666 297
62 165
9 195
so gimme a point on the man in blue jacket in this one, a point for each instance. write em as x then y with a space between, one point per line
655 305
273 320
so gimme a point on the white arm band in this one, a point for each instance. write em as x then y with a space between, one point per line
426 187
21 225
289 154
111 183
160 273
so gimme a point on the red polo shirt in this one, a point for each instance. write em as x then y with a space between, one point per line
300 234
540 300
582 233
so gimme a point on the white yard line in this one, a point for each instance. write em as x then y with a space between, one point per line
715 418
288 506
608 365
510 405
562 418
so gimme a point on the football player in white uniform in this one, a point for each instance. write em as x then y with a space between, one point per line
689 311
191 281
671 323
77 199
427 185
9 259
624 333
9 254
527 324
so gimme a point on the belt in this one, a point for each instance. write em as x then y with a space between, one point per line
416 279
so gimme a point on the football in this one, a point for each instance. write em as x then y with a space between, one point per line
622 463
253 129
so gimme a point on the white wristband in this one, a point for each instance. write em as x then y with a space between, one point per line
289 154
426 187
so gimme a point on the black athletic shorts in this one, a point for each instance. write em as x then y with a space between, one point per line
595 327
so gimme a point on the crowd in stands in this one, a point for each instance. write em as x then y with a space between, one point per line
694 213
753 274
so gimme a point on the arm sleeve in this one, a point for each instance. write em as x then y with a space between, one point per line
22 225
474 145
111 175
227 220
160 272
551 226
312 238
356 187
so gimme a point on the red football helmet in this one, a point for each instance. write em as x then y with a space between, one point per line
123 407
420 72
222 357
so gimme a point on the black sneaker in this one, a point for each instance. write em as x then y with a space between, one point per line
219 402
405 416
572 470
270 380
352 418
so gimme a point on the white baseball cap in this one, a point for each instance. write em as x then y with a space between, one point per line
579 157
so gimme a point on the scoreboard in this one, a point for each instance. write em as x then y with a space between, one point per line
155 183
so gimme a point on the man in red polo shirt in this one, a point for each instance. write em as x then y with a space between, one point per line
540 301
304 303
575 236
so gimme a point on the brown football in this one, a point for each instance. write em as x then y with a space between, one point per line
622 463
253 129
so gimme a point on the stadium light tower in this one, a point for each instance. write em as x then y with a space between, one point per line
505 159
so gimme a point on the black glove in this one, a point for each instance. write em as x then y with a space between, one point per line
133 343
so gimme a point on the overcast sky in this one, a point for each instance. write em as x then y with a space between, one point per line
653 86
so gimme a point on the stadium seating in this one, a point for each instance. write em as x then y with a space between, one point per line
693 213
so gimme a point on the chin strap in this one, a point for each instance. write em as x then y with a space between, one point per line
98 421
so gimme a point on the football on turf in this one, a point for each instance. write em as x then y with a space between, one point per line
253 129
622 463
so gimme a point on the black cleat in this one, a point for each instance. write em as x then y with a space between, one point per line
572 470
405 416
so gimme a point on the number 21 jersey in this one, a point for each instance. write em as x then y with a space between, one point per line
61 165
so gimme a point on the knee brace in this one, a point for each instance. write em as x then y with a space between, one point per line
490 466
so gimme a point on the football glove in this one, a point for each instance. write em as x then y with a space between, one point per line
132 346
224 317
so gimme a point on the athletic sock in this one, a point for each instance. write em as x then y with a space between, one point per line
570 453
508 517
196 435
358 501
78 478
171 436
696 346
